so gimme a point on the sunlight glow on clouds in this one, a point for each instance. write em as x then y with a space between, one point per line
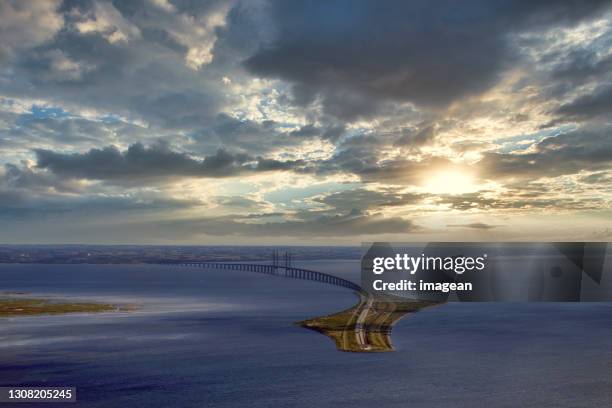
449 182
231 121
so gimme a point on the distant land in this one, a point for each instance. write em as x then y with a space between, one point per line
13 306
142 254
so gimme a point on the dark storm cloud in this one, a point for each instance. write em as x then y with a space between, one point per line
244 135
415 138
157 161
25 178
306 131
568 153
260 137
331 132
598 103
582 65
578 65
355 54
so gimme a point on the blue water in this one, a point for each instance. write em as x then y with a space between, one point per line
205 338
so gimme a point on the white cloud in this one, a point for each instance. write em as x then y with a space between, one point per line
164 5
199 36
107 21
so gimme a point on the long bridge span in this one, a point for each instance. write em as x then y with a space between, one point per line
286 271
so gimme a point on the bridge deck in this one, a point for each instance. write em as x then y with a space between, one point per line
278 270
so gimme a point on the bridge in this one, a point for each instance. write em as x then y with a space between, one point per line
285 270
366 327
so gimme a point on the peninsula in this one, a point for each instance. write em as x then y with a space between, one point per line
24 306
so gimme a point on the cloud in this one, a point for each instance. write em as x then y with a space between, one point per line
342 110
415 138
27 23
484 201
582 65
158 161
331 133
133 60
361 199
238 203
567 153
106 20
62 68
29 194
596 104
68 208
602 178
261 137
244 135
474 225
193 28
351 224
427 53
401 171
23 178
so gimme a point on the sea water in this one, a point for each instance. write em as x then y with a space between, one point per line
221 338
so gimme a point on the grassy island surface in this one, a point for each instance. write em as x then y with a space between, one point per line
365 327
22 306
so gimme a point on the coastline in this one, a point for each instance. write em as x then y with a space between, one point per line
22 305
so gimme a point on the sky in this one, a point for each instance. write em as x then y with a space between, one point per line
304 122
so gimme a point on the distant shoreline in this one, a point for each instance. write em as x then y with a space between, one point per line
166 254
22 305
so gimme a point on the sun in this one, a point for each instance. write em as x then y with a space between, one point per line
450 182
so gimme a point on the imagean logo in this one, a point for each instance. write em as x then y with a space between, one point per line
412 264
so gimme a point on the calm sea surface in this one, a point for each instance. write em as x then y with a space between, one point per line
206 338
